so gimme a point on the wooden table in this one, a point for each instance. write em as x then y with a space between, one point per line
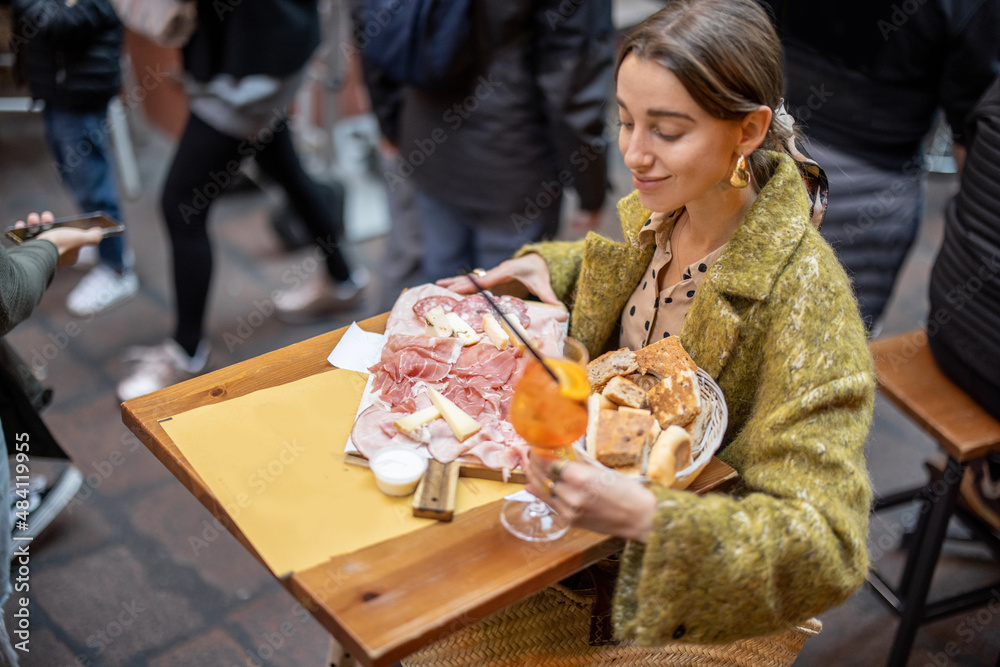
387 600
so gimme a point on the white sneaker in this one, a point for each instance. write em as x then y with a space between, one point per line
160 366
351 287
87 258
320 297
100 289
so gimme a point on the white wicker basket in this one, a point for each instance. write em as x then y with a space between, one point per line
715 430
702 451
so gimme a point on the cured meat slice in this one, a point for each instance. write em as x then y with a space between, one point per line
420 308
408 359
373 430
471 309
511 305
486 362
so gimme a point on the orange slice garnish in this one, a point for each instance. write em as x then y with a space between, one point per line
573 381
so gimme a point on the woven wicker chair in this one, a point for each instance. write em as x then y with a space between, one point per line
552 627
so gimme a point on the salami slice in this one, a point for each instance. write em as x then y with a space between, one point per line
511 305
420 308
471 309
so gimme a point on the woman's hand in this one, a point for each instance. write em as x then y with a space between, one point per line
67 240
589 497
530 270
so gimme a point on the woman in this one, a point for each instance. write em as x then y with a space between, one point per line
728 260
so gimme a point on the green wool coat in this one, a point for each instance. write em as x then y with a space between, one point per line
775 323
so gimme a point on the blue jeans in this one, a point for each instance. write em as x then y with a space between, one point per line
79 142
457 240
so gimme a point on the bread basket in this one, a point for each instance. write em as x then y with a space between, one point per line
702 451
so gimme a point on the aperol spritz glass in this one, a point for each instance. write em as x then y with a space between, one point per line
550 416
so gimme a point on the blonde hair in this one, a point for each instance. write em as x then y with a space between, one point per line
727 55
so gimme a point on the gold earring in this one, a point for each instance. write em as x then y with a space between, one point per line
741 176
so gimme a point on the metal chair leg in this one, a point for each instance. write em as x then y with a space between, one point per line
921 561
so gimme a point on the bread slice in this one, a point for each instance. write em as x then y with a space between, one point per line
670 454
622 437
697 430
645 381
676 400
610 364
594 405
664 357
620 391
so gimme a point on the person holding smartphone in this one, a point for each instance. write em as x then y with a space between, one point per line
25 273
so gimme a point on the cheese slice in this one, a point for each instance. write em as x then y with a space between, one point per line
462 425
462 331
438 319
415 420
496 333
511 324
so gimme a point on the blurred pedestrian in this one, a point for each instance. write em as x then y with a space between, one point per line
70 55
493 154
27 271
867 79
243 65
403 254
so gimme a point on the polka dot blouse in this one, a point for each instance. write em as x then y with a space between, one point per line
656 310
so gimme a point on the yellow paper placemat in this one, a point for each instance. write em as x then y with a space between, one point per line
274 459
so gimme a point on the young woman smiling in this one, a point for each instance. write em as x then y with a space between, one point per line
720 248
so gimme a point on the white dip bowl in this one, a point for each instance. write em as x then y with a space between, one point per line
397 470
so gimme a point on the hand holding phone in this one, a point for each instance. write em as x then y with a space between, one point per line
67 239
109 226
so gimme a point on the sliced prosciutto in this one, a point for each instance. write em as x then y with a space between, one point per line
409 359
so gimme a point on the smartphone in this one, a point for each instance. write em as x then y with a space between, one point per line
109 226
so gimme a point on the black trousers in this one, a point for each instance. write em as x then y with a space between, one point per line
205 161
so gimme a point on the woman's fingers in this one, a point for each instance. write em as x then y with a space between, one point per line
530 270
461 284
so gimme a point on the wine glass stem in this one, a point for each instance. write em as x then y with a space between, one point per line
536 508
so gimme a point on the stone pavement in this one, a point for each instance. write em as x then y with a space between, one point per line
135 573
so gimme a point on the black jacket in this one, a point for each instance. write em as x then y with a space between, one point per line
69 55
868 76
530 121
965 280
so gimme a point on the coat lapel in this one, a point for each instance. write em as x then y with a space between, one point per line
743 276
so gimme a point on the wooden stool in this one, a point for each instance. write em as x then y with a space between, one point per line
909 377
